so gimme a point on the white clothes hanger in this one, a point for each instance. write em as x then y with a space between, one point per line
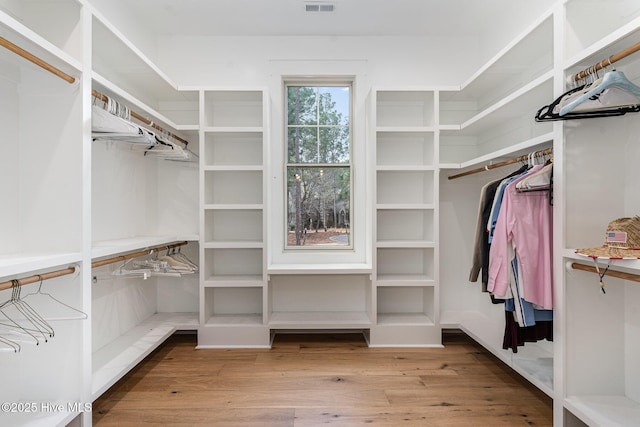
145 273
613 78
176 264
182 257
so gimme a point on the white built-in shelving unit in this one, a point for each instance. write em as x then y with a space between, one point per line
137 203
405 279
41 190
601 338
233 196
69 201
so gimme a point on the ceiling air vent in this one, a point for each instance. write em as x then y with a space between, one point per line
320 7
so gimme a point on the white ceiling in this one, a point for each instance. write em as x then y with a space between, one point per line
350 18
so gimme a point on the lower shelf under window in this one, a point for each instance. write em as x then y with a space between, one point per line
319 320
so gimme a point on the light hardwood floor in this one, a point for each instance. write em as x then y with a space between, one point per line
318 379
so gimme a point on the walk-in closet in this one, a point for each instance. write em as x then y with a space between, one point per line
239 172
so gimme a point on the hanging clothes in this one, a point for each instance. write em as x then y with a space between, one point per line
525 221
513 251
481 245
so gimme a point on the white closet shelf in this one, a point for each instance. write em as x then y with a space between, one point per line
534 361
407 129
319 320
106 248
404 206
188 237
41 419
233 245
605 410
254 319
535 41
106 87
400 319
32 42
405 244
120 38
516 150
615 42
20 263
630 264
233 129
138 76
113 361
234 168
233 206
537 92
405 167
237 281
386 280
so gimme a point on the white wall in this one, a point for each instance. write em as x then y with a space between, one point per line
246 60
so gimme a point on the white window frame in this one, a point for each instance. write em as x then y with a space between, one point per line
319 82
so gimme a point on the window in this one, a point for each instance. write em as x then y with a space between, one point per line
318 165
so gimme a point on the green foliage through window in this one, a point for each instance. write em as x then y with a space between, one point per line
318 165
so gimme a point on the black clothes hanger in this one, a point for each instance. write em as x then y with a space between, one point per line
551 112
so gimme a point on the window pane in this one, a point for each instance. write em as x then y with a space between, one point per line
303 145
302 107
318 206
334 105
334 144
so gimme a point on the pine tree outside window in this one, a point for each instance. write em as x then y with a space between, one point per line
318 165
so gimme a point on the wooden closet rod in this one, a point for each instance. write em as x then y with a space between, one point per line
610 60
500 164
125 257
144 120
70 270
39 62
613 273
38 277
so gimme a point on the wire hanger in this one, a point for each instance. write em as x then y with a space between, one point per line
33 315
11 345
39 293
38 326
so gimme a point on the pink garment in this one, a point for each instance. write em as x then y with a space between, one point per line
526 222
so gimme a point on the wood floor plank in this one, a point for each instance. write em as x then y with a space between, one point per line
414 417
214 417
316 379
